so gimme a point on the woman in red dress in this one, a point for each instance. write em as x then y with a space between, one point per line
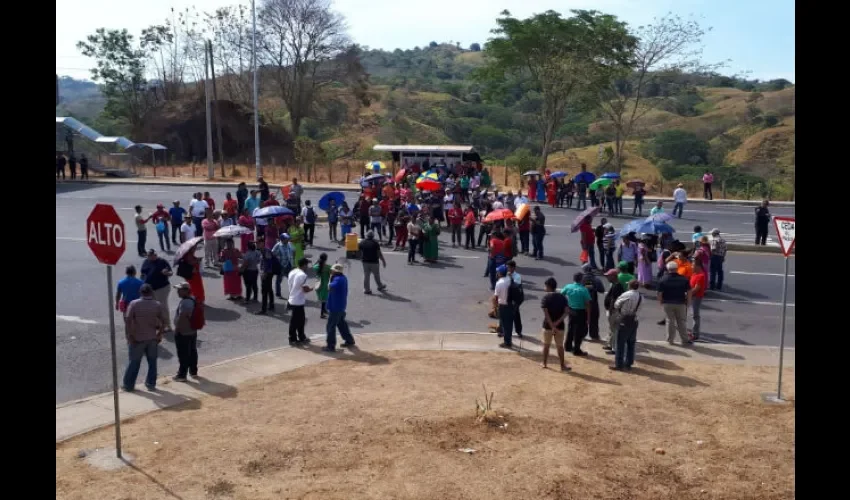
532 188
551 189
196 283
230 270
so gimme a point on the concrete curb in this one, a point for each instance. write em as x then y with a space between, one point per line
356 188
79 417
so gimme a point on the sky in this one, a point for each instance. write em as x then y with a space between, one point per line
755 36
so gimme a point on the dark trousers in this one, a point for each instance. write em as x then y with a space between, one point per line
609 259
470 237
267 291
483 236
456 233
537 245
411 253
364 226
619 204
506 322
576 330
309 232
187 354
337 320
175 232
332 231
249 277
638 208
626 337
518 320
73 172
84 172
390 233
140 244
297 323
523 240
612 204
706 191
376 227
199 230
581 204
570 197
715 271
593 324
60 171
761 235
163 239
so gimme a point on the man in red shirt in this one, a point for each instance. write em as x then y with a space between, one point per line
469 226
455 216
699 282
524 232
230 208
496 256
209 200
588 240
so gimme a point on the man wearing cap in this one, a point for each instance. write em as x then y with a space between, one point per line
673 292
337 302
298 289
370 254
501 302
145 322
718 256
680 197
176 214
614 292
578 300
155 272
284 253
185 337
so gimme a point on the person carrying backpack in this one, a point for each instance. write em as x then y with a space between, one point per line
309 216
516 295
188 319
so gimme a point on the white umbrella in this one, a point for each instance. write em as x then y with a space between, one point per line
231 231
531 172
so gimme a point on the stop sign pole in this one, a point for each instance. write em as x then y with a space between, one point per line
786 231
105 237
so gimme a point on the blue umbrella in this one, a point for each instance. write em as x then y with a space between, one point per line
646 226
558 174
325 201
610 175
585 177
272 211
660 217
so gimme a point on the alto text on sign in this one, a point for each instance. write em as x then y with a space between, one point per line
105 234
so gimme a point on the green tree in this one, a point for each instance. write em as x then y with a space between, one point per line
490 137
521 161
564 59
680 147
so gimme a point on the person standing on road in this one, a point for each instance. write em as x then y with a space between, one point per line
209 201
578 301
230 207
160 221
502 302
296 237
639 192
127 290
609 246
309 216
455 220
333 220
252 202
555 310
627 306
673 291
430 240
588 239
614 292
155 272
469 228
210 226
145 319
296 190
323 272
241 197
263 189
230 257
414 234
644 261
284 253
185 336
60 166
72 165
84 167
596 288
538 232
187 229
269 266
176 214
627 251
337 303
707 181
620 190
375 219
698 283
658 208
141 231
370 254
599 236
250 271
298 289
762 223
680 197
524 230
718 256
517 295
198 209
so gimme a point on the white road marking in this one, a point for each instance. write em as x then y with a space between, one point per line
760 274
76 319
158 191
754 302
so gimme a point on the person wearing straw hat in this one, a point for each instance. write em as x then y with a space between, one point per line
337 303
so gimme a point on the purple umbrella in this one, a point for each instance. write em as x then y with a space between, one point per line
590 212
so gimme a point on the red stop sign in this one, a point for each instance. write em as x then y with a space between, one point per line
105 234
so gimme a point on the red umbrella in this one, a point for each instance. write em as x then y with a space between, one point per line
400 175
428 185
635 183
500 214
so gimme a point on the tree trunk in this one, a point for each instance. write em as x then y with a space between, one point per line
295 124
618 152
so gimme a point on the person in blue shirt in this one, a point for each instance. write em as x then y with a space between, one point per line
337 302
177 213
128 290
578 301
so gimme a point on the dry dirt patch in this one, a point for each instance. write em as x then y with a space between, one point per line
350 430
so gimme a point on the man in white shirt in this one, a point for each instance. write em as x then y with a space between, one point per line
505 308
680 197
297 289
187 229
448 203
198 209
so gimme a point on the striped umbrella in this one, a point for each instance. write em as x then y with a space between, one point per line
428 184
376 166
429 175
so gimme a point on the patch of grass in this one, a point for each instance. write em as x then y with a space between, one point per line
220 488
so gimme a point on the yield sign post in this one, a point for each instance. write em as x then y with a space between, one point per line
106 238
786 232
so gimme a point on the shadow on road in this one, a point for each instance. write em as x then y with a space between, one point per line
218 314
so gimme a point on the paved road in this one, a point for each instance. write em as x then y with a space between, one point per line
450 296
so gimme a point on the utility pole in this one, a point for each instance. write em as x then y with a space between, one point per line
210 168
216 110
256 108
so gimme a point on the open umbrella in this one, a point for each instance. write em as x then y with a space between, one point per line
231 231
428 185
661 217
271 211
589 212
376 166
635 183
646 226
325 201
531 172
585 177
400 175
558 174
522 211
610 175
186 247
499 214
431 174
600 182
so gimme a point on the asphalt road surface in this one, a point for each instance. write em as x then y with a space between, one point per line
449 296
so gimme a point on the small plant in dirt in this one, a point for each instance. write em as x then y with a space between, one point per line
484 411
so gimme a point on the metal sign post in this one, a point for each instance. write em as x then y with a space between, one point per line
105 237
786 232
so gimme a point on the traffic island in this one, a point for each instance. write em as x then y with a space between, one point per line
448 424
